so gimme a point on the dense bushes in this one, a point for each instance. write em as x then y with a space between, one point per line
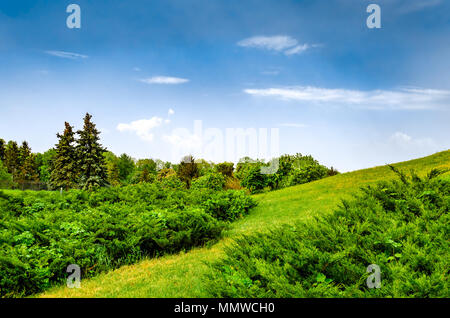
401 226
41 233
213 181
287 171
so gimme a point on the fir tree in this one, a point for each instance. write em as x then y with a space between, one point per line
90 159
27 169
64 169
12 162
2 149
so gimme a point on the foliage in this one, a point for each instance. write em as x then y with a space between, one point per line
145 171
65 166
44 163
166 173
27 169
90 159
112 168
213 181
41 233
290 171
402 226
228 205
204 167
225 168
5 177
126 167
253 179
2 149
188 170
12 161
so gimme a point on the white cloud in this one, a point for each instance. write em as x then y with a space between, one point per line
405 141
183 139
136 69
164 80
278 43
297 49
405 98
142 127
67 55
171 112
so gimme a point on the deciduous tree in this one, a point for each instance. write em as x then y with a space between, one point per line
188 170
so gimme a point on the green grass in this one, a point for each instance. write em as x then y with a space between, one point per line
182 275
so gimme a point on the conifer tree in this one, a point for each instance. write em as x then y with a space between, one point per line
12 162
2 149
90 158
27 169
64 170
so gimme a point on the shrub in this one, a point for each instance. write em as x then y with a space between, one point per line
213 181
254 180
401 226
41 233
225 168
228 205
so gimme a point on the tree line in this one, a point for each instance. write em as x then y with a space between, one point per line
79 160
74 162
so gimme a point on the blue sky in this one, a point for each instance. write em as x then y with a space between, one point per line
352 97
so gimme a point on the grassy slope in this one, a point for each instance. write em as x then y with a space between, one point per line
181 275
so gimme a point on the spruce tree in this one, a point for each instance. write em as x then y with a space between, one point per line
2 149
27 169
12 162
90 159
64 165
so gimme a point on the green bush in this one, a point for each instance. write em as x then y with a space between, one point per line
228 205
254 180
41 233
213 181
401 226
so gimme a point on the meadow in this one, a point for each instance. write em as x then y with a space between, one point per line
186 274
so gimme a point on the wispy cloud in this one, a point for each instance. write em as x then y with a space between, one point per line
164 80
278 43
405 98
402 140
67 55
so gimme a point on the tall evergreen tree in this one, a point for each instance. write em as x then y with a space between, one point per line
2 149
12 161
64 165
27 169
90 159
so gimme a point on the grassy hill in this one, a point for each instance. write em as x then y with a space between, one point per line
182 275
